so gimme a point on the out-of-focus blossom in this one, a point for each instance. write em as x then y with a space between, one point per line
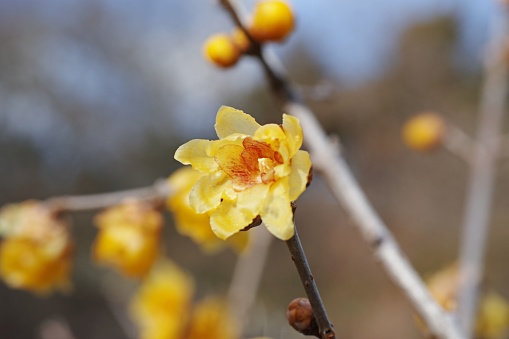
188 222
492 320
251 171
161 306
35 253
211 319
129 237
424 131
273 20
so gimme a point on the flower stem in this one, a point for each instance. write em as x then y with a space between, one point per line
299 258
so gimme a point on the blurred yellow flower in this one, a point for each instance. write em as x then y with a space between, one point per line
493 314
251 170
128 237
188 222
211 319
161 306
35 253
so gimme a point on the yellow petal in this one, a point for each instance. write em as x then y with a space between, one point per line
269 133
298 178
194 153
230 120
293 132
183 179
206 194
250 200
227 219
277 212
211 319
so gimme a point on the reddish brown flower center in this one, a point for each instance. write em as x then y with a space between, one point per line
249 164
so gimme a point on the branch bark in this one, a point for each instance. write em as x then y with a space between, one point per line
158 191
483 169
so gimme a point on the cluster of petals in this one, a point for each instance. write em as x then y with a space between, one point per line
129 237
252 170
194 225
163 308
36 249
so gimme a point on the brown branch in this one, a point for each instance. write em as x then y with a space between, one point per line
326 329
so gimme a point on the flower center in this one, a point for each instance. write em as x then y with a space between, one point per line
250 164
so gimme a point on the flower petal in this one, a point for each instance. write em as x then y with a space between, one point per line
269 133
298 178
251 200
183 179
230 120
206 194
195 153
293 132
277 212
228 219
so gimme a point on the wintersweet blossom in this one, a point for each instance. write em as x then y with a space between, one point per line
188 222
252 170
35 253
492 321
212 319
128 238
160 306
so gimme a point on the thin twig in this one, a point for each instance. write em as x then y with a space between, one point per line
349 194
159 190
459 143
248 273
482 177
299 258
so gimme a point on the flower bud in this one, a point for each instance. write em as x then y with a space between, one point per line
424 132
300 317
240 40
221 51
272 21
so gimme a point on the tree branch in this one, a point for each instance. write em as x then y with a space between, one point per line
248 273
326 329
349 194
158 191
483 170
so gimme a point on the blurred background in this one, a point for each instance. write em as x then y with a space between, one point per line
97 95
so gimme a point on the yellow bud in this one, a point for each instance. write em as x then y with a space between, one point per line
272 21
240 40
424 132
221 51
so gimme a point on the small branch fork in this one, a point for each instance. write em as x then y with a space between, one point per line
325 328
347 191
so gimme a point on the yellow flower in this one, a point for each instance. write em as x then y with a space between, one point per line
251 170
492 320
128 238
35 253
188 222
424 131
161 305
211 319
